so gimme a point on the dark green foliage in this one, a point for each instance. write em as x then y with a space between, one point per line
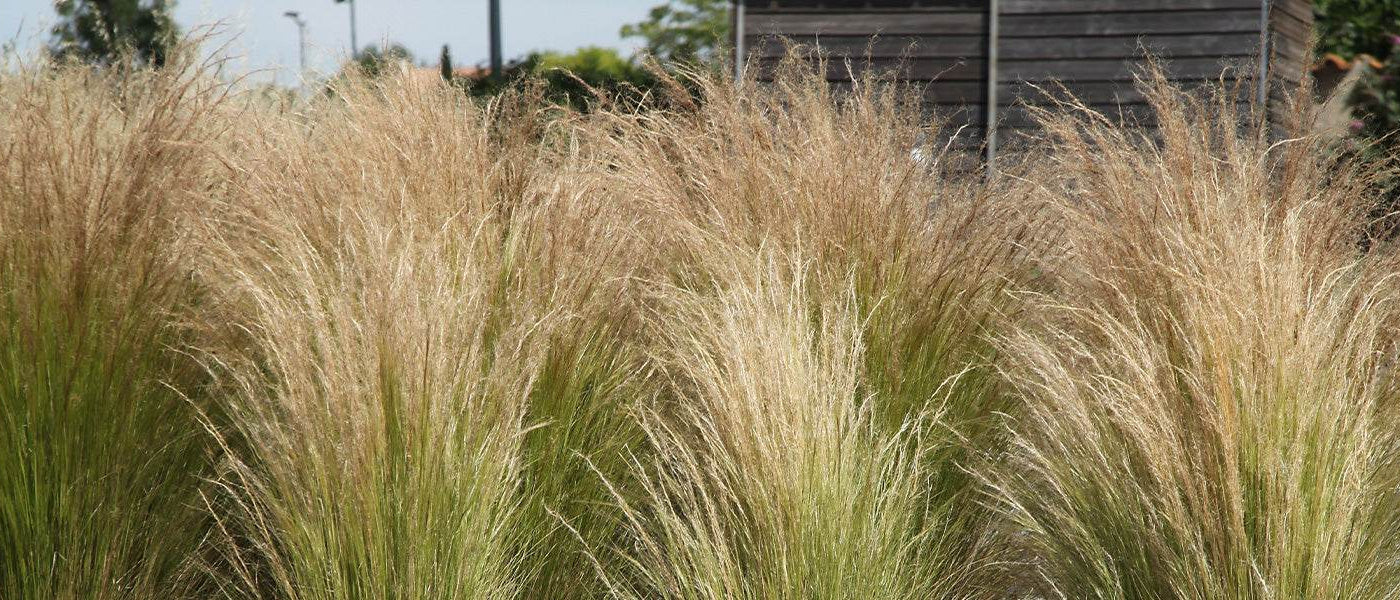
1351 27
98 31
686 31
680 32
577 79
445 64
375 61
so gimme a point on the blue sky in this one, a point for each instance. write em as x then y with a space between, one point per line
265 42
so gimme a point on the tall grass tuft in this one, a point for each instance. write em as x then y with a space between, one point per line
822 321
101 452
433 351
1209 394
772 479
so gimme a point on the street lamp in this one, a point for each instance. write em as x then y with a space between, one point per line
354 46
301 38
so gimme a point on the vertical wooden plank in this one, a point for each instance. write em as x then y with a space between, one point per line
993 55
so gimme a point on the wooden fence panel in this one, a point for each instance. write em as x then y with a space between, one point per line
1093 49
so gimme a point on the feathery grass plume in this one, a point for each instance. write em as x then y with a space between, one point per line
433 351
856 178
101 453
582 256
771 478
852 183
1209 397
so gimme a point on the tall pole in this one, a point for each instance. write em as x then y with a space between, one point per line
993 57
354 43
739 49
495 18
301 39
301 46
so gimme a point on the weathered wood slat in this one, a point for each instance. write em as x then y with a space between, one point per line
1012 71
1133 114
1016 141
954 92
1022 117
1129 46
1101 93
969 46
937 93
957 116
1114 69
1298 9
1287 69
1291 48
913 69
865 23
1014 7
924 5
1286 25
1130 23
1014 25
942 46
946 93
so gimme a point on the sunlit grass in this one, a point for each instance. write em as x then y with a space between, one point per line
1210 398
736 341
101 451
823 324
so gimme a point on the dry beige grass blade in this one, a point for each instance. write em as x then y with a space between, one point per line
1209 395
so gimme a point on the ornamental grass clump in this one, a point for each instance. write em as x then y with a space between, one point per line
432 351
822 315
1209 391
102 173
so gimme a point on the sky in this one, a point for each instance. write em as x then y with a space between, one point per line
264 42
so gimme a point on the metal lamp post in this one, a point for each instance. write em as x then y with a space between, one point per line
494 25
354 45
301 38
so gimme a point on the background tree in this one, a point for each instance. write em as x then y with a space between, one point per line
689 31
98 31
574 79
684 31
445 64
577 77
374 60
